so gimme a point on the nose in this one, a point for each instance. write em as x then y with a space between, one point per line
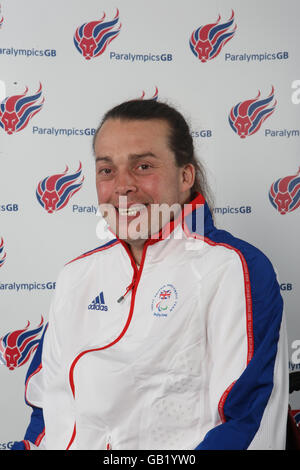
125 183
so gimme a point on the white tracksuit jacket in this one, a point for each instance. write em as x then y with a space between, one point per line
194 357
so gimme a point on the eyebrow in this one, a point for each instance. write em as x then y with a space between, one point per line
103 159
133 156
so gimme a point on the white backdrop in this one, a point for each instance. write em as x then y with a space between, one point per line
149 49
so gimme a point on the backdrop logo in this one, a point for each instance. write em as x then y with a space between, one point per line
16 347
1 18
55 191
91 39
17 110
284 193
154 97
206 42
2 253
246 117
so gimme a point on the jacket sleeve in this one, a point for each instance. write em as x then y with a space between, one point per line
42 372
36 428
248 384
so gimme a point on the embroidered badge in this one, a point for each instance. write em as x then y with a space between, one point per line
164 301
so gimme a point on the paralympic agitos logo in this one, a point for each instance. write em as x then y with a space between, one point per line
246 117
16 111
206 42
54 192
92 38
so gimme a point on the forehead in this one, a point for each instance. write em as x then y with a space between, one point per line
133 135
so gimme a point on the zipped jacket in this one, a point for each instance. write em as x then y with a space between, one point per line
186 351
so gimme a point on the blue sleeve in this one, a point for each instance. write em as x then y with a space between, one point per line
248 398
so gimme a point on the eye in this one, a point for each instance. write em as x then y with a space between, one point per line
104 171
144 166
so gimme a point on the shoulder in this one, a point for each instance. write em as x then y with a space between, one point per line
76 269
255 261
89 254
260 278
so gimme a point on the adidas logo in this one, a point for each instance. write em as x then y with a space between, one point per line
98 303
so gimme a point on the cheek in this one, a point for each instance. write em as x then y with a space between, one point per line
104 191
151 186
163 188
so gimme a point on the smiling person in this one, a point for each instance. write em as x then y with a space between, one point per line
139 170
171 334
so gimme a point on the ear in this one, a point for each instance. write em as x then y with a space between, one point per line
188 174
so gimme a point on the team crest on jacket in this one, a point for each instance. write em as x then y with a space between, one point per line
284 193
17 110
164 301
55 191
17 346
206 42
246 117
92 38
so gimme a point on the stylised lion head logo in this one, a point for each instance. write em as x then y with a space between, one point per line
92 38
54 192
284 193
17 110
2 253
246 117
206 42
1 18
154 97
16 347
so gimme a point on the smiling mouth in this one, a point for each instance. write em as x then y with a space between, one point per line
131 211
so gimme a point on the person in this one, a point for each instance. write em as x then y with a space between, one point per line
171 334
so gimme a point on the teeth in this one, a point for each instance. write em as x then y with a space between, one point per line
131 211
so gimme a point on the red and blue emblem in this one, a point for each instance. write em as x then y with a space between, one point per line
164 301
284 193
92 38
246 117
154 97
1 18
17 346
164 296
2 253
17 110
55 191
206 42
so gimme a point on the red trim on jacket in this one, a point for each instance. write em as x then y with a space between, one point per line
92 252
249 310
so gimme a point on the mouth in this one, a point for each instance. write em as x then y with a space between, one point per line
131 211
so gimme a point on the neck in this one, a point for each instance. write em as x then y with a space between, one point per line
136 249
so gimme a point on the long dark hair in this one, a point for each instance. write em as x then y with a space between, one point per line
180 138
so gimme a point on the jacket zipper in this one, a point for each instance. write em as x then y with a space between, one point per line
128 289
132 286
